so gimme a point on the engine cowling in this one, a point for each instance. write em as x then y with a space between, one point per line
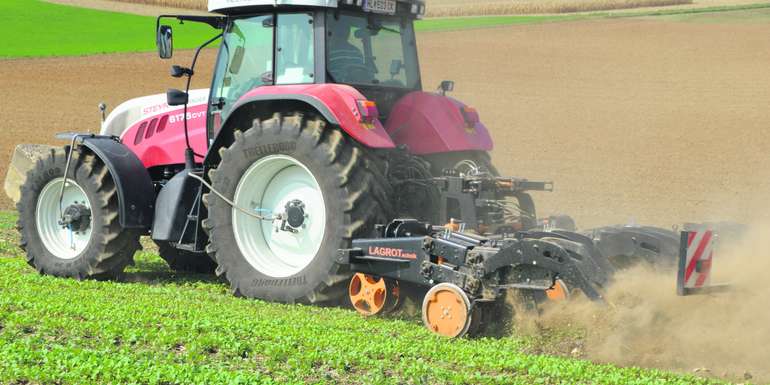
154 131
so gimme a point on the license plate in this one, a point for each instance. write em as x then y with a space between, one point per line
387 7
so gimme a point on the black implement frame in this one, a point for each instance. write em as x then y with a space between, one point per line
484 267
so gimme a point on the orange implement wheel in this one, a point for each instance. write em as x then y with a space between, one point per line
558 292
372 296
446 310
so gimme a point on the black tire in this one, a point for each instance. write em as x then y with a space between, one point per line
185 261
356 198
110 248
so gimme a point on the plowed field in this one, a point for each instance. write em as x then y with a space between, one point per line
652 120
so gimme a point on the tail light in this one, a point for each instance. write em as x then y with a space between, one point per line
470 115
368 111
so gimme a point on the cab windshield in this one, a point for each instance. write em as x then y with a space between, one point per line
369 49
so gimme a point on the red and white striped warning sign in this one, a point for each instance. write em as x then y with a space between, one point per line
696 257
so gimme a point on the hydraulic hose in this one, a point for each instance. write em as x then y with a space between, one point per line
232 204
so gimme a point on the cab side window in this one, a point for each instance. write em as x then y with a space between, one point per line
294 50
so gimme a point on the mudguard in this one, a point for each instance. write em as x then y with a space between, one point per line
430 123
136 193
336 102
175 200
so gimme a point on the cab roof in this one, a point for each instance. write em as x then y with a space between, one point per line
234 6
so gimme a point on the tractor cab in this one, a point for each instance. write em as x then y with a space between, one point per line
352 62
368 45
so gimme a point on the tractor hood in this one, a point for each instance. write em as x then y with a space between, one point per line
134 110
154 131
430 123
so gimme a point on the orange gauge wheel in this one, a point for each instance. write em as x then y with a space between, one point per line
558 292
373 296
446 310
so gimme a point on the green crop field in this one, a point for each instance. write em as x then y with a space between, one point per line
36 28
162 328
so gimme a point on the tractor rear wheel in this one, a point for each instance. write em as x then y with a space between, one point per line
316 190
185 261
78 236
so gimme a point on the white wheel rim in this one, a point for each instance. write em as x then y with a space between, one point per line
267 187
59 240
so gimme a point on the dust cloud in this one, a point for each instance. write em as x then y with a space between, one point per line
646 324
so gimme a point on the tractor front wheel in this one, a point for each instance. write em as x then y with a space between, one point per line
315 190
70 228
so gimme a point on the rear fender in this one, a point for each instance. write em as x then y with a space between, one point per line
336 103
430 123
136 192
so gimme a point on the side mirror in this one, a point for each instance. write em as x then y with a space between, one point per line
176 97
446 86
165 42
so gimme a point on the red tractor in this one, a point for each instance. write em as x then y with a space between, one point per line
289 175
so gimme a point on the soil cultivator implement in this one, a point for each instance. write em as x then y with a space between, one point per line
467 276
288 176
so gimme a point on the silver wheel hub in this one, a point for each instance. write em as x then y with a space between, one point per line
76 216
286 193
293 219
64 227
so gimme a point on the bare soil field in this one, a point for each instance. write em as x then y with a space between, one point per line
634 120
441 8
639 120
